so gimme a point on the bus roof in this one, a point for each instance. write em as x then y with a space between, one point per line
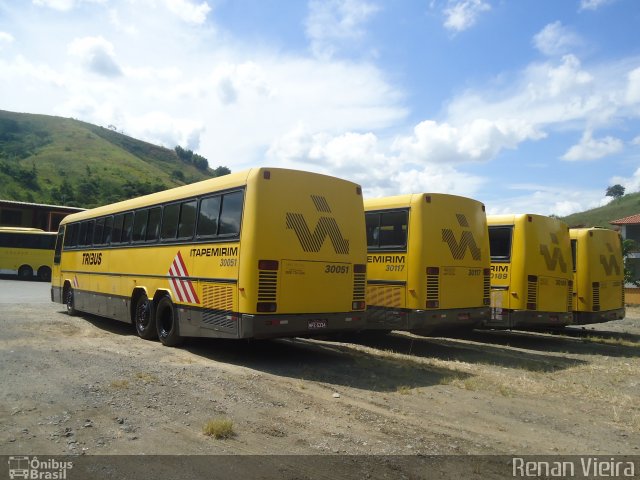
232 180
401 201
23 230
512 219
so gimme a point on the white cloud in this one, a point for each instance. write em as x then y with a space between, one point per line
591 148
333 25
5 38
63 5
636 140
463 14
593 4
97 55
188 11
633 86
556 39
630 184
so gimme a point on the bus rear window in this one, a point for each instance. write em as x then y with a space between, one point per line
387 230
500 243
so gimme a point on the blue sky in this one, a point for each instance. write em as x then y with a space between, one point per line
527 105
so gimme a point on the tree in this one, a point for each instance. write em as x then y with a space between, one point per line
629 246
616 191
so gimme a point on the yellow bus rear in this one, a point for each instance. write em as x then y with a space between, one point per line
262 253
428 263
26 252
598 275
531 278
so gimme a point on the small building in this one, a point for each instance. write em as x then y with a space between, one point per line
630 230
33 215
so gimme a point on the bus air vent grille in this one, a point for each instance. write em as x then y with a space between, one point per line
267 285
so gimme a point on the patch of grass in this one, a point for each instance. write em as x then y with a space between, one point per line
120 384
146 377
219 428
404 390
610 341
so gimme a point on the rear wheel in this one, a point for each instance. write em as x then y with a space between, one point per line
142 318
44 274
70 302
25 272
167 323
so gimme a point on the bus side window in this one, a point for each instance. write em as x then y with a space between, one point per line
153 227
140 225
231 213
116 235
170 215
186 227
208 217
574 252
57 254
127 228
97 233
83 233
90 227
71 236
108 228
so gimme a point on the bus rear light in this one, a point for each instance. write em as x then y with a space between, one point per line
360 305
433 270
531 306
352 319
433 303
359 268
486 272
266 307
276 322
268 265
486 301
532 278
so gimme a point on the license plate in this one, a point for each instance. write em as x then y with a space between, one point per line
315 324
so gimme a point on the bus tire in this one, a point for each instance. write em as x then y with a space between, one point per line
25 272
69 301
142 318
167 323
44 274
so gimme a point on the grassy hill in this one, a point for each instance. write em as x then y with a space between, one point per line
63 161
601 216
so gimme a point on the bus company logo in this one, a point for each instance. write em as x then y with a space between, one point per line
467 241
326 227
32 468
552 260
610 265
181 286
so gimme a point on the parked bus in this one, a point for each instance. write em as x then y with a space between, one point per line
598 275
531 278
428 263
261 253
26 251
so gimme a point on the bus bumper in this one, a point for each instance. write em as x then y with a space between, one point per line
426 321
584 318
526 319
235 325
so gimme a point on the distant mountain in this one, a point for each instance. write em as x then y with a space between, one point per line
601 216
63 161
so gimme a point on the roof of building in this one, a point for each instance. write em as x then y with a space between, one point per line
633 219
40 205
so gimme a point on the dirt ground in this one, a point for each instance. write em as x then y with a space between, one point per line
86 385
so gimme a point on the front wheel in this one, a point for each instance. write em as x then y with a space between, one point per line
142 319
167 323
70 302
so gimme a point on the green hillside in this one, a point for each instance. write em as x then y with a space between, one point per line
601 216
62 161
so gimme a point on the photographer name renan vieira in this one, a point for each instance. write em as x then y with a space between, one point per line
587 466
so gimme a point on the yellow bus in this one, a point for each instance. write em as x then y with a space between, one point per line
26 251
598 275
261 253
428 263
531 278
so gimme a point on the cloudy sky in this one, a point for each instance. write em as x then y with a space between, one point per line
528 105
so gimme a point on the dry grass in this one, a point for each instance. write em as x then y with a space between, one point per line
146 377
404 390
121 384
219 428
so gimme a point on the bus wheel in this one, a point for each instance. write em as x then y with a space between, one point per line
25 272
142 318
167 323
44 274
70 302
